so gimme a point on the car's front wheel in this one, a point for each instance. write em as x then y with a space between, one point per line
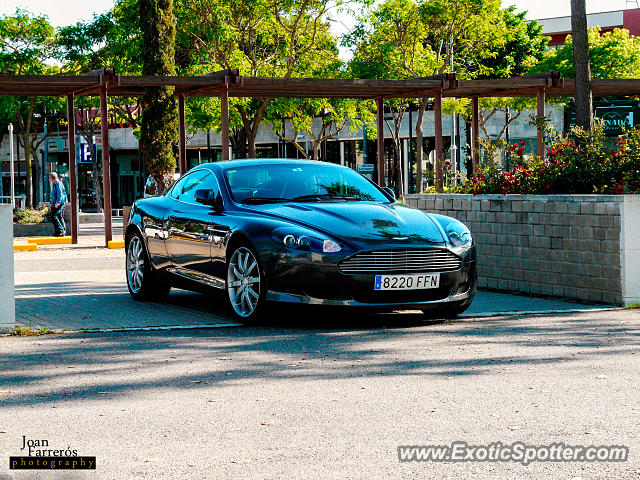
245 283
143 282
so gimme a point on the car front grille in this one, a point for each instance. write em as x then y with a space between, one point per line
401 261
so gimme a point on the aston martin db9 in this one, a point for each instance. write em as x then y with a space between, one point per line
297 231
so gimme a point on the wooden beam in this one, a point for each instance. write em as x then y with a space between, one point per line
224 114
182 139
475 133
540 117
73 181
437 113
380 125
106 164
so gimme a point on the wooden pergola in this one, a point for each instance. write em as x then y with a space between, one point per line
105 83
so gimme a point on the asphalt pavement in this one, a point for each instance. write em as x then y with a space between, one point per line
330 401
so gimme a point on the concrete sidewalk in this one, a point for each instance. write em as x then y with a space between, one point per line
85 288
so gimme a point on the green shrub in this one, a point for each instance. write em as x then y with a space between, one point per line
582 162
25 215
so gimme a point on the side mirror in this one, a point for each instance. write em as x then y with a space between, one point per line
390 192
208 197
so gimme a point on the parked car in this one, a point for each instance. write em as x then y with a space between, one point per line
297 231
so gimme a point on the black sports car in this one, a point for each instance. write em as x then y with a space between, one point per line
297 231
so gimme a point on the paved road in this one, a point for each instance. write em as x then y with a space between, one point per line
328 402
85 288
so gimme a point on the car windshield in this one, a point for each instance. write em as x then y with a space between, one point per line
272 183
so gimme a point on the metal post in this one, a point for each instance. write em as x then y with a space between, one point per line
224 131
410 172
11 168
475 145
405 165
73 181
380 125
365 156
541 99
106 166
45 159
341 145
182 139
437 113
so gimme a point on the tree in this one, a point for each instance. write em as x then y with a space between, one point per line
159 130
268 38
26 42
408 39
584 100
320 118
389 42
614 54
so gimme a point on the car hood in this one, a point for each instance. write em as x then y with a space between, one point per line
364 224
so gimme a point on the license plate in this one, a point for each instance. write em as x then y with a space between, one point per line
407 282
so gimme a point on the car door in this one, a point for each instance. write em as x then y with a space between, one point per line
191 225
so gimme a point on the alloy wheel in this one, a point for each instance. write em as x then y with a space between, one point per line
243 282
135 264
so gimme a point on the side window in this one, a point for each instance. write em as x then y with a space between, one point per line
186 187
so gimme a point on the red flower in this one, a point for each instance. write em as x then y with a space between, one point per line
547 186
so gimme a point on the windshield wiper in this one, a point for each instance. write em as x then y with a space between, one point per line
303 198
265 200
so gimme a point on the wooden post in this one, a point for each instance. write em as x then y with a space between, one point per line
437 114
380 125
475 132
540 118
182 139
106 165
73 181
224 132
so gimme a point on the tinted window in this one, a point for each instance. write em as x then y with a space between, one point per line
186 187
299 182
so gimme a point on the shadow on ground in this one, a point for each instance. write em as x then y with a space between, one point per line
307 344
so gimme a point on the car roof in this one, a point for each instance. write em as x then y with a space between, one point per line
247 162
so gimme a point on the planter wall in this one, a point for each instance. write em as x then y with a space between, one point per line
33 229
584 247
7 292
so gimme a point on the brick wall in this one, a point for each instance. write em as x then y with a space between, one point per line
560 245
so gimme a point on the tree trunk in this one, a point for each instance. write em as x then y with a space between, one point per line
159 129
583 97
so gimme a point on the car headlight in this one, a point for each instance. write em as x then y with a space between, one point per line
458 234
303 239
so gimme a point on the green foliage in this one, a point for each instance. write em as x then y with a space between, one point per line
614 54
159 130
583 162
27 215
26 40
28 331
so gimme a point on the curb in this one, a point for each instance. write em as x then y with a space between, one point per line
536 312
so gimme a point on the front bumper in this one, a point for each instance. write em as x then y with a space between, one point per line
302 281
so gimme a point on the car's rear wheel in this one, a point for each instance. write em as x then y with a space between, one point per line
143 282
245 283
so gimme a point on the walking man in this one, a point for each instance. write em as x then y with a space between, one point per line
58 199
